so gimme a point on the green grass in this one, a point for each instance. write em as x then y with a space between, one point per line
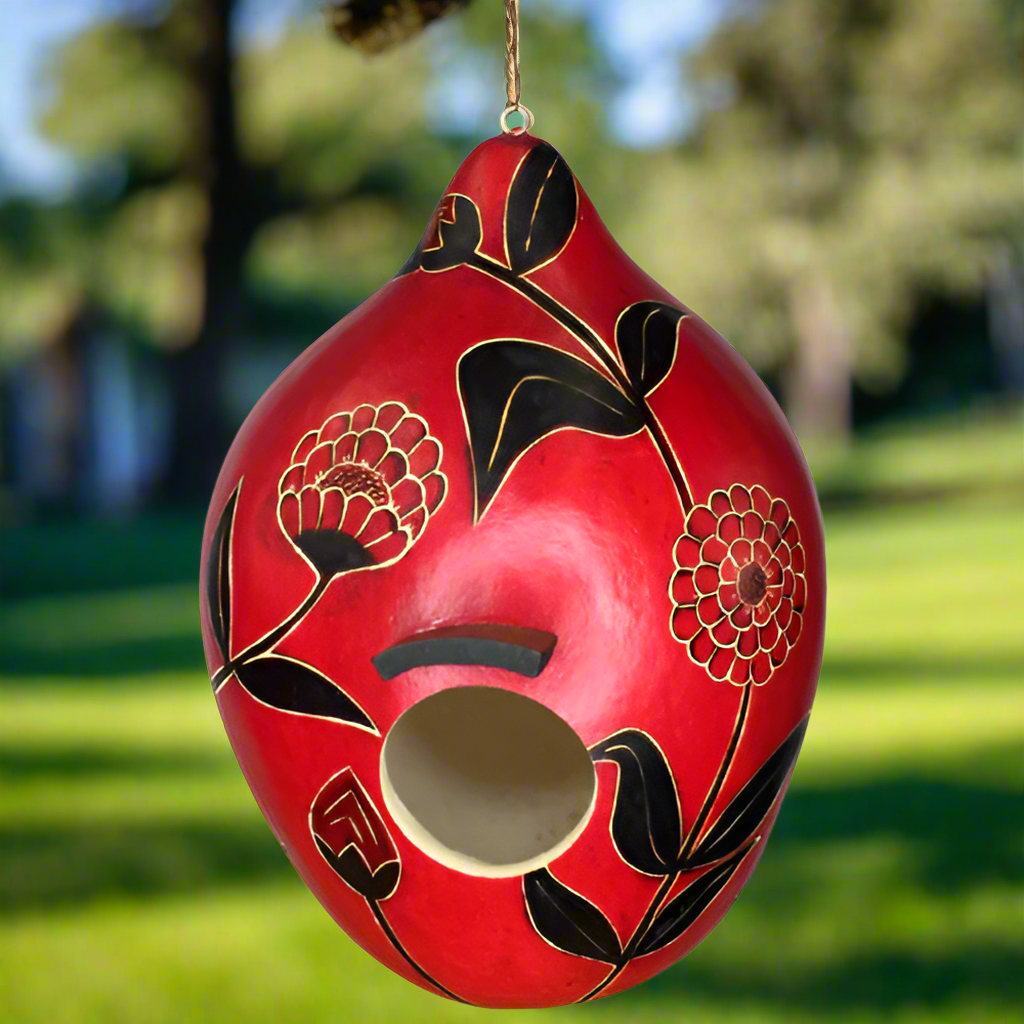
139 884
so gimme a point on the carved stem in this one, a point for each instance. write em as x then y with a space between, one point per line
274 637
393 939
688 845
586 337
723 770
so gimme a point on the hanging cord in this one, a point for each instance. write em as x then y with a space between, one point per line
513 86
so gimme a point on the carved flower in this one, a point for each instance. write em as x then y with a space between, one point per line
361 489
351 836
739 588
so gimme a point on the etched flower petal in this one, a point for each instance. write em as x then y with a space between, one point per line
687 552
728 596
779 650
305 446
357 511
784 614
332 510
730 527
741 552
702 648
310 501
415 521
701 522
740 672
319 462
747 643
741 616
389 415
725 633
739 497
779 514
761 669
719 503
407 495
800 593
362 418
794 627
435 485
345 448
798 559
729 571
753 526
408 433
706 579
425 457
685 624
768 636
290 513
393 467
708 610
335 427
378 525
371 446
390 547
293 480
721 663
788 583
682 587
762 613
773 572
761 552
772 535
713 550
791 535
760 501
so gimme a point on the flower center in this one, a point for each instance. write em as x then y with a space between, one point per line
357 478
752 584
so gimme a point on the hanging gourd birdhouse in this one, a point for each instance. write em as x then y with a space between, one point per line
513 603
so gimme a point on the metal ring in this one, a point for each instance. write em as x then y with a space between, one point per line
520 108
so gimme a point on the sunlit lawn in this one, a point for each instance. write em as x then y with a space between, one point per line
138 882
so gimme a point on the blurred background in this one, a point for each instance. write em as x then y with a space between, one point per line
191 191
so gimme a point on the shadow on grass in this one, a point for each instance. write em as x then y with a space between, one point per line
979 973
30 764
46 867
876 670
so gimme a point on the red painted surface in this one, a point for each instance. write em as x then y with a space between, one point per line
578 541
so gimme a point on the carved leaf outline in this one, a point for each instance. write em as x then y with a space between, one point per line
567 920
451 238
292 686
647 335
750 806
514 392
217 581
646 821
682 911
541 210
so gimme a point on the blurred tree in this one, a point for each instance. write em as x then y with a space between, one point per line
299 167
195 148
848 156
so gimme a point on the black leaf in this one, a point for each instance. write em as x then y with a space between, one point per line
451 238
646 826
218 576
290 685
355 873
681 912
646 335
567 920
541 210
515 392
749 807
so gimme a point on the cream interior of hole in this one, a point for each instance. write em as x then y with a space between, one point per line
486 781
